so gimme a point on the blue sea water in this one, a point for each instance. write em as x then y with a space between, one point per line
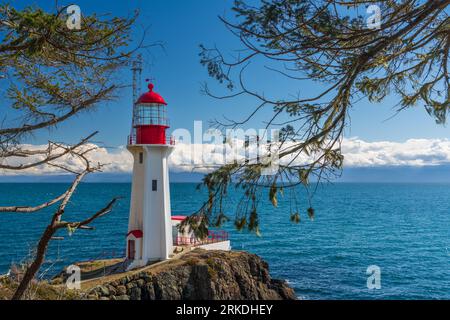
402 228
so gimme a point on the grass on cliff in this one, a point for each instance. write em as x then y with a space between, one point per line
38 290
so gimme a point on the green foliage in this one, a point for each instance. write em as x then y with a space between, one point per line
295 217
221 219
50 72
273 194
303 176
328 43
71 230
240 223
310 212
197 224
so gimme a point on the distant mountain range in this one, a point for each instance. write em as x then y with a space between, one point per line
95 177
403 174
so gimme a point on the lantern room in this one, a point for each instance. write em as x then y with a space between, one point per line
149 119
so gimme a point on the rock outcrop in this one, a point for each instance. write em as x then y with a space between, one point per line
200 274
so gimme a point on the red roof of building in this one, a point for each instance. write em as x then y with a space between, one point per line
179 218
151 96
136 233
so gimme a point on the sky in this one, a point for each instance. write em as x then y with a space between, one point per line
181 26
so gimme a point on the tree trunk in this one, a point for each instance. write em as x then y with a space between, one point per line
36 264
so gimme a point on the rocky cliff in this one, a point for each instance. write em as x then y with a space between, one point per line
200 275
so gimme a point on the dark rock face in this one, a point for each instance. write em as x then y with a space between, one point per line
199 275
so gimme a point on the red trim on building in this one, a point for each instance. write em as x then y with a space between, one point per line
136 233
178 218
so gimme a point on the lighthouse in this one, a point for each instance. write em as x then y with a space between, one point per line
149 236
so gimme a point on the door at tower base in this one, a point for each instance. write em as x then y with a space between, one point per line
134 248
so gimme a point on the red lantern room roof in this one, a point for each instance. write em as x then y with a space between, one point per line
151 96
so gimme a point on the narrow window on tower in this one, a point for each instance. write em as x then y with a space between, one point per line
154 185
141 157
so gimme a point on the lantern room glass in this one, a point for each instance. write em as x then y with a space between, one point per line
150 114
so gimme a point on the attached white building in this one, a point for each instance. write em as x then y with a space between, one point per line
216 239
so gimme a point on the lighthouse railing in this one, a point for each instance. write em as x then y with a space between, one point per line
214 236
131 140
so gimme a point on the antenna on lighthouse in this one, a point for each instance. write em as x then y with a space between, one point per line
136 67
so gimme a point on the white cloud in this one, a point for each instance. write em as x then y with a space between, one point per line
357 152
115 160
413 152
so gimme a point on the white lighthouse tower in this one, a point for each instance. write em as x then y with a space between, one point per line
149 235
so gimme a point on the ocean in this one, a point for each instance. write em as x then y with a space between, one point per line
404 229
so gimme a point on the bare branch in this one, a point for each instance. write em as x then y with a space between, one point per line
27 209
84 224
50 154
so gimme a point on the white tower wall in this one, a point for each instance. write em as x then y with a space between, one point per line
150 209
137 191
